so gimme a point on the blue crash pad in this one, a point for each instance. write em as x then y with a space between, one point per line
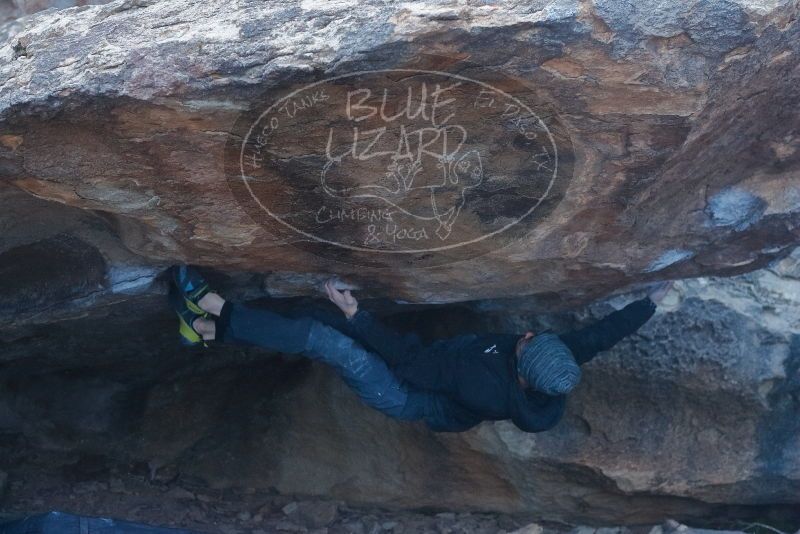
61 523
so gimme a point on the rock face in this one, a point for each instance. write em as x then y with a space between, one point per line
694 417
505 159
593 143
11 12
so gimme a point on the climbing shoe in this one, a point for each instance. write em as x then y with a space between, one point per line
188 335
191 285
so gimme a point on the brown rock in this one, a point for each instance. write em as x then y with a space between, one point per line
674 142
674 128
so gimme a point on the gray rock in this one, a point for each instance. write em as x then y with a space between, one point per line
313 514
178 492
290 508
354 528
676 124
287 526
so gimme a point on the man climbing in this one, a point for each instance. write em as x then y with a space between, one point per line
452 384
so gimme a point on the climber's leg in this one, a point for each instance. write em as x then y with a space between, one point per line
365 372
326 313
244 325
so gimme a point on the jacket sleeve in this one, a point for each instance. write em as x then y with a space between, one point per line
393 347
540 414
449 416
585 343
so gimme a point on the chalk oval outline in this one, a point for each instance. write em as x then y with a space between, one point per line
415 251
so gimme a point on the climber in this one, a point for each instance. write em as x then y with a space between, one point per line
452 384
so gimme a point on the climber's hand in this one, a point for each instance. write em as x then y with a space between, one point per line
660 291
345 301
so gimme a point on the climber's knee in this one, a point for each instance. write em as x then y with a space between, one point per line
366 373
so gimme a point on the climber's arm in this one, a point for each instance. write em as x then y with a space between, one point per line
585 343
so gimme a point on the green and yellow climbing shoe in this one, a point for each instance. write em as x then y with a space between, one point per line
191 285
186 317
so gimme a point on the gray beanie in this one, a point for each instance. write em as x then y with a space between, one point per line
548 365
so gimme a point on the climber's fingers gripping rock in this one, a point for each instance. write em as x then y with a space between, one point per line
659 291
343 300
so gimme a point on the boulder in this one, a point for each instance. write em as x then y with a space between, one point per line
694 417
463 166
593 145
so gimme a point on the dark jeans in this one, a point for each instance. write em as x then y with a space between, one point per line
296 333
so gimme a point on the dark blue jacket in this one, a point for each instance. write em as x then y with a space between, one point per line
472 378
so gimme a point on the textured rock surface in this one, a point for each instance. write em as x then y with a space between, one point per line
12 11
681 118
695 417
676 130
252 511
